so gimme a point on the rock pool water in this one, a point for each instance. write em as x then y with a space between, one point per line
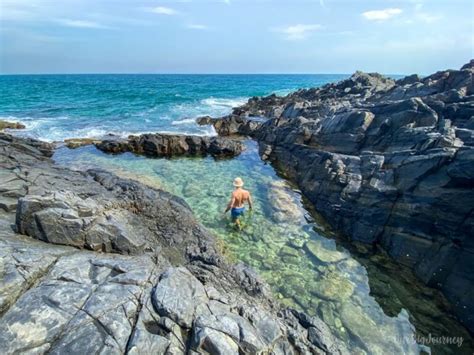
295 251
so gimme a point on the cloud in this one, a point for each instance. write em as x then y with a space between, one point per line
82 24
195 26
162 10
381 15
299 31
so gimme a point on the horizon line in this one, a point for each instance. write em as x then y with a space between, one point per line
178 73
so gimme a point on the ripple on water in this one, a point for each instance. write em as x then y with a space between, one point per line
295 255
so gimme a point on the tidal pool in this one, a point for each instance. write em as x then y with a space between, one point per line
296 252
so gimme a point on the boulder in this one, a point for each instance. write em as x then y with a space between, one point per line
11 125
65 218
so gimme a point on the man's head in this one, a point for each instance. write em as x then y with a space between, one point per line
238 182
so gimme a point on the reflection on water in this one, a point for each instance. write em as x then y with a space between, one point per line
294 251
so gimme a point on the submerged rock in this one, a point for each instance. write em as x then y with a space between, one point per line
333 287
284 205
322 254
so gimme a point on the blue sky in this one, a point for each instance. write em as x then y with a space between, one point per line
234 36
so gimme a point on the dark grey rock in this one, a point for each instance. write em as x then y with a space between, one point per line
232 124
167 145
178 295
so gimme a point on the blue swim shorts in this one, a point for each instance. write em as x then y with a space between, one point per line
237 212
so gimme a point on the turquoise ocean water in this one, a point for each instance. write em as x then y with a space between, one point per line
55 107
373 305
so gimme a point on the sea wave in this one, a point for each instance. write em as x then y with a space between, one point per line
224 103
9 118
184 121
59 134
206 131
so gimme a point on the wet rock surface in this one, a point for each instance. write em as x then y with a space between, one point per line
167 145
74 143
10 125
92 263
231 125
386 162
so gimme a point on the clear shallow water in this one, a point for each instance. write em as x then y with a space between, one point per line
292 251
56 107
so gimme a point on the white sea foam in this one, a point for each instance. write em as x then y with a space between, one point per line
184 121
221 102
9 118
204 132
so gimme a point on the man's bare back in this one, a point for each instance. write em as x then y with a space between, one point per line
239 197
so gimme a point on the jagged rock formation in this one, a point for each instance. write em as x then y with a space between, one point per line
91 263
168 145
387 162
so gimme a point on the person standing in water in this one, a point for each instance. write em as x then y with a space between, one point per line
237 201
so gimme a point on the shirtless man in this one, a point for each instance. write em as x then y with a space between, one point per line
237 200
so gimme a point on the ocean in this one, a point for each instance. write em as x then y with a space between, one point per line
56 107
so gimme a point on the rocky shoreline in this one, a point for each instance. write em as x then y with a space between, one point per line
95 263
101 263
386 162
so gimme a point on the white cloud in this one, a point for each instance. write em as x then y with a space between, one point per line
195 26
82 24
381 15
162 10
299 31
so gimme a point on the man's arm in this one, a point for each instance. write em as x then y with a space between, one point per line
231 203
250 201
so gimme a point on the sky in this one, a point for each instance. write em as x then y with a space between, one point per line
235 36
